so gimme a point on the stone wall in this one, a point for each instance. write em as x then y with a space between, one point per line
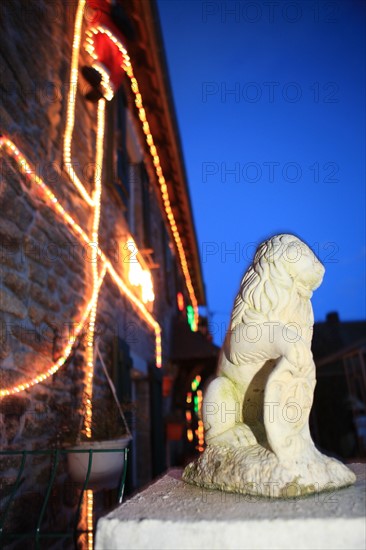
45 274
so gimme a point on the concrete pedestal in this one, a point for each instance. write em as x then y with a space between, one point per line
170 514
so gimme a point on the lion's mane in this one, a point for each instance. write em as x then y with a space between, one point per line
267 287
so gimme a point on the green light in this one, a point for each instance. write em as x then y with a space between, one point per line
190 317
195 383
195 401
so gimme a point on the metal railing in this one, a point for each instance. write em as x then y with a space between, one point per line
38 533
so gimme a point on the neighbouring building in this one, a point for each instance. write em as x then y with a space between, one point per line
338 418
99 263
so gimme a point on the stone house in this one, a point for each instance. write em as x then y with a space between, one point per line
97 241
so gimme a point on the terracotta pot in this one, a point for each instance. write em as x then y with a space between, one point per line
107 462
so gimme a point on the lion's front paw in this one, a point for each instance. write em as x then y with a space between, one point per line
238 436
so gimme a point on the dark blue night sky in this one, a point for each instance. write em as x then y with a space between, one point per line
270 100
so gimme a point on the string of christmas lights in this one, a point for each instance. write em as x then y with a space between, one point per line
71 103
6 145
24 165
94 265
77 330
52 200
138 276
127 67
89 518
195 395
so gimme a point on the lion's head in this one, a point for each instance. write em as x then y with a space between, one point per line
283 268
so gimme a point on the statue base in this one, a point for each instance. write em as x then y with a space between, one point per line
257 471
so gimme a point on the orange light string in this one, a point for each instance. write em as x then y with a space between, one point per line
127 67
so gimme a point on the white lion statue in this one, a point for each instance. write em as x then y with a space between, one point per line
256 410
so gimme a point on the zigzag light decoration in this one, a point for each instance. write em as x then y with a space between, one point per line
94 264
94 201
7 146
71 102
127 66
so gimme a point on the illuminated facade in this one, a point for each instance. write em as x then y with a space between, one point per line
97 232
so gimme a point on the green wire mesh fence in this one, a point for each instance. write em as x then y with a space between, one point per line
41 530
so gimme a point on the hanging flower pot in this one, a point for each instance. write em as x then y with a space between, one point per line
107 462
98 462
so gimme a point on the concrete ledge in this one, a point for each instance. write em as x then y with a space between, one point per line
170 514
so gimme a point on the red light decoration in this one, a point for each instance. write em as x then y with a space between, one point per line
180 301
